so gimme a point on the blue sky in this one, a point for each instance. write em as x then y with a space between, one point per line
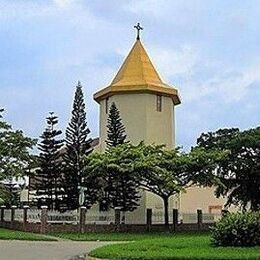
209 50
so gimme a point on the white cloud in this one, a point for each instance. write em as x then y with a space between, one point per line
13 10
227 86
31 9
168 11
235 88
174 61
144 7
65 3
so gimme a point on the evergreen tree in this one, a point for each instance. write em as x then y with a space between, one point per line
115 128
77 146
114 176
125 183
121 188
49 177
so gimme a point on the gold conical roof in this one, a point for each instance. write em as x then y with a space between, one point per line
137 74
137 69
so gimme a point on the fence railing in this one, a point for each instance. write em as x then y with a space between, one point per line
100 217
210 217
187 218
18 216
34 215
67 217
158 217
7 215
104 217
82 217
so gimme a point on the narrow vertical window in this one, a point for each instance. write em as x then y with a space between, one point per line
159 103
106 105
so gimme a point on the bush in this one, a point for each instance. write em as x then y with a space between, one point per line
237 229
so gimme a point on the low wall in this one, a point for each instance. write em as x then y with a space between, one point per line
69 228
29 227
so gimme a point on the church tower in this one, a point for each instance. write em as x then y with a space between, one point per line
145 102
146 106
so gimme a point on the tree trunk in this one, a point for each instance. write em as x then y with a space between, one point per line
166 214
255 204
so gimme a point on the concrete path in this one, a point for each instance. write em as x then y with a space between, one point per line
41 250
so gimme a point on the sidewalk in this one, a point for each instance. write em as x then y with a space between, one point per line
41 250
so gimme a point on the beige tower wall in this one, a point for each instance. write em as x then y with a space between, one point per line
160 125
142 121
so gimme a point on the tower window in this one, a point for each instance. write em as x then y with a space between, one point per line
106 105
159 103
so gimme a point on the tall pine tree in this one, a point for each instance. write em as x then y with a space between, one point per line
115 129
49 177
77 146
121 186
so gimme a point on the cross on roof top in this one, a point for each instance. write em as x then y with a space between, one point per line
138 28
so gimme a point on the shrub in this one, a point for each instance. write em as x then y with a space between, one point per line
237 229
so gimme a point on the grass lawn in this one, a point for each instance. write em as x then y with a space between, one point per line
110 236
175 247
6 234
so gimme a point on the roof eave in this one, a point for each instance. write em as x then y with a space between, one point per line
112 90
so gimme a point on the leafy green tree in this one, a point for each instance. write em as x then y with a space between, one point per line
160 171
5 196
10 192
160 174
168 172
77 146
15 156
94 178
116 177
239 172
115 129
49 176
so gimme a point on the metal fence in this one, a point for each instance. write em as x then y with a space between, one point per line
100 217
34 215
7 215
158 217
210 218
18 216
185 217
105 217
67 217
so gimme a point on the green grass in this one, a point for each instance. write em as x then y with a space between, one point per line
110 236
174 247
6 234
